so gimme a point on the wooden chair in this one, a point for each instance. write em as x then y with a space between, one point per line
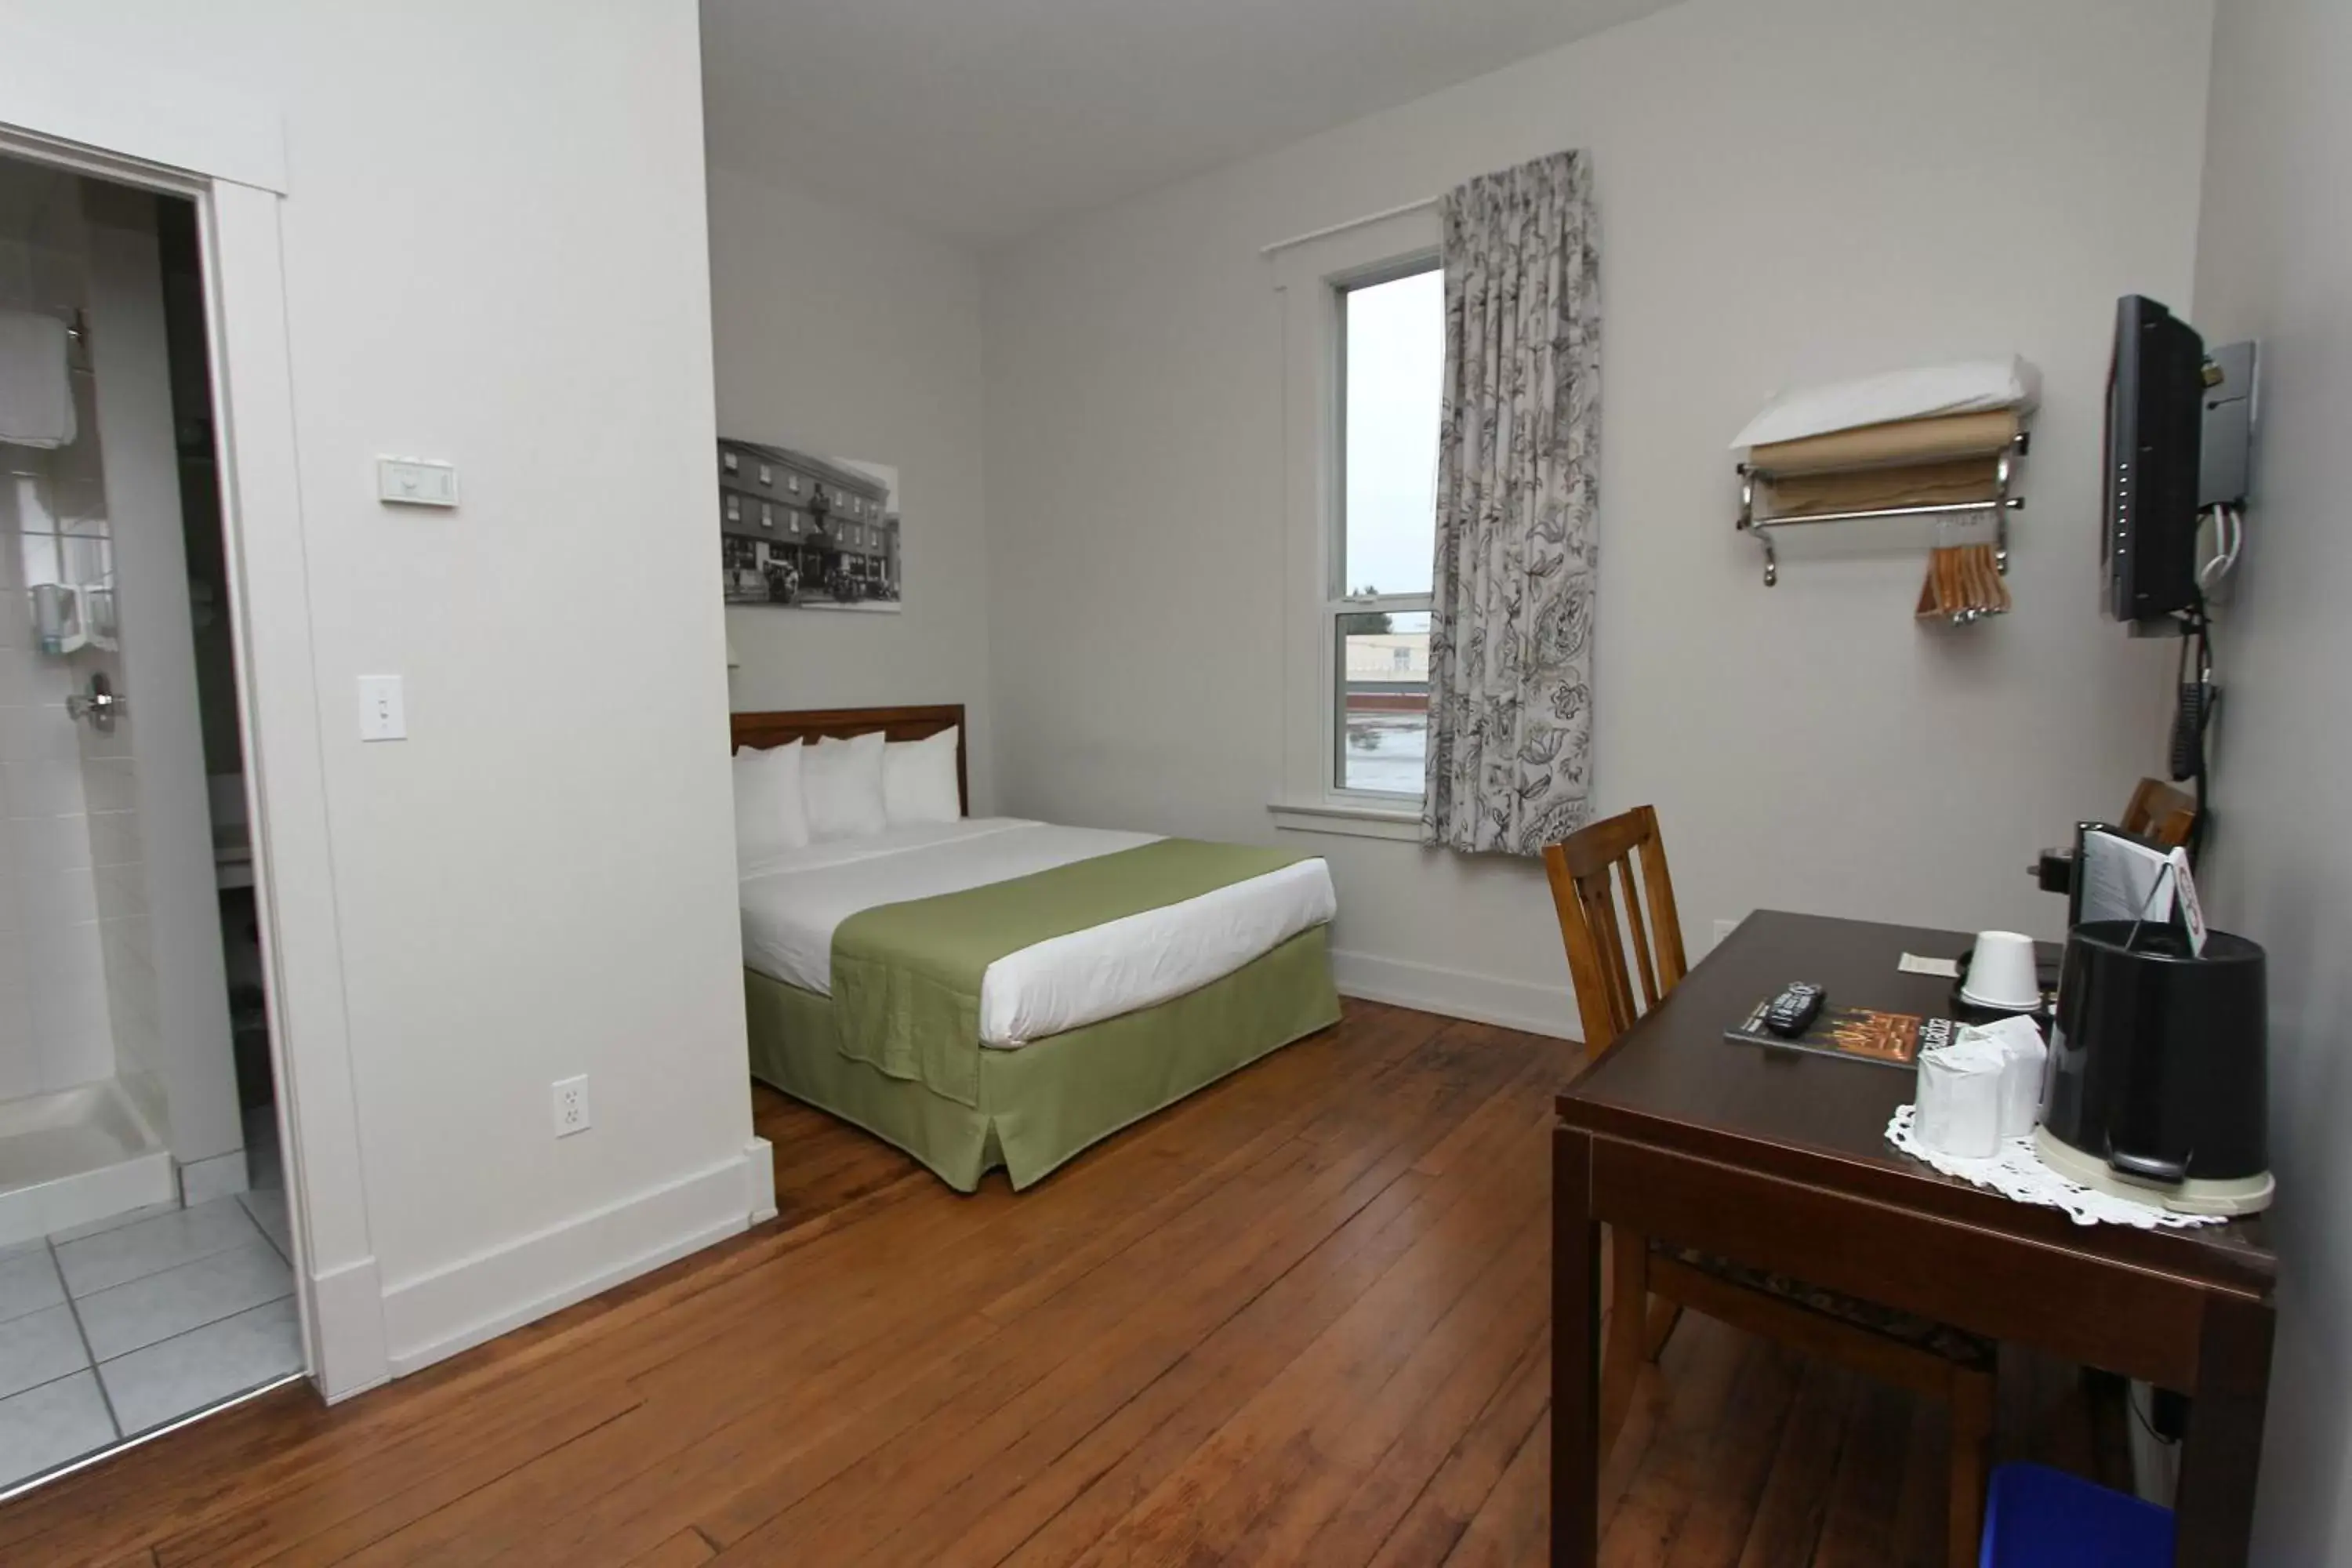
1653 1281
2160 813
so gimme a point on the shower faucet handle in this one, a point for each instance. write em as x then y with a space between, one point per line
99 705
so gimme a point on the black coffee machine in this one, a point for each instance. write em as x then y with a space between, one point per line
2156 1087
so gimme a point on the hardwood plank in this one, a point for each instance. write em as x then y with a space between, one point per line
1512 1527
1694 1388
1300 1318
1080 1392
1739 1461
684 1550
410 1478
1789 1515
1859 1529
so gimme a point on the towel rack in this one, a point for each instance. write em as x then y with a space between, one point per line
2000 503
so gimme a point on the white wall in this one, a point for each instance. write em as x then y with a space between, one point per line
1790 190
849 336
500 259
2275 249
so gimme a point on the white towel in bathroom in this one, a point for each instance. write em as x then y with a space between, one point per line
37 407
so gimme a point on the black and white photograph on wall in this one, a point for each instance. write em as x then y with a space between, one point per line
807 532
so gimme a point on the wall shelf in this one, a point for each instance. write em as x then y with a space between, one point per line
2000 503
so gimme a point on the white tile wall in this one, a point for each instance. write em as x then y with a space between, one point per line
62 980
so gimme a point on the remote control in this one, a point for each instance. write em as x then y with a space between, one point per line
1797 1006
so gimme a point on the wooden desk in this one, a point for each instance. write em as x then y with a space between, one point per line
1779 1159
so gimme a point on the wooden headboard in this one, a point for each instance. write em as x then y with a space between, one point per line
760 731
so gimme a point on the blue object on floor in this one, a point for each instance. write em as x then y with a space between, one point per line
2036 1517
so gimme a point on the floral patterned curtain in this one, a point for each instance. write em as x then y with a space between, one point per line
1510 648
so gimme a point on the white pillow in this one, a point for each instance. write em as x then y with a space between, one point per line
770 814
842 781
918 780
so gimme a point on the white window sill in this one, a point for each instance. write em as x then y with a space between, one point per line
1349 819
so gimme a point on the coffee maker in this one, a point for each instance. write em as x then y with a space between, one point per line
2157 1085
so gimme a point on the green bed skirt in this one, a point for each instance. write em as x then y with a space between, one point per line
1043 1104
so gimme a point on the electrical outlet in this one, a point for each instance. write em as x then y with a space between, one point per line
571 1107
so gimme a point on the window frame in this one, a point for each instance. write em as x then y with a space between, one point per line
1338 603
1312 279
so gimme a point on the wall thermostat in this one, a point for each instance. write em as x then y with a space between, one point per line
407 481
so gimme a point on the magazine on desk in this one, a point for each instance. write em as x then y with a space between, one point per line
1856 1033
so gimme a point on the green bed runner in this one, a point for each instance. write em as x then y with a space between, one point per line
906 977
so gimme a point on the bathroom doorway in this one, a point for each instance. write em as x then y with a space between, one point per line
147 1261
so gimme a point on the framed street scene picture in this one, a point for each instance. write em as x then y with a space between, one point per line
801 531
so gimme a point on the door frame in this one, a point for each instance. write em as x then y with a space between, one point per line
221 151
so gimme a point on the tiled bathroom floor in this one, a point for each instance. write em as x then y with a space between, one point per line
114 1329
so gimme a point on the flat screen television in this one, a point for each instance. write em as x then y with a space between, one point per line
2155 424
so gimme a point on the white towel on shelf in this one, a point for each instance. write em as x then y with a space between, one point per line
37 406
1971 386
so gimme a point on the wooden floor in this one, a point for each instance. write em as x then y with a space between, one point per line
1298 1319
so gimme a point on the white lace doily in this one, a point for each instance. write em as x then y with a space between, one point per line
2017 1172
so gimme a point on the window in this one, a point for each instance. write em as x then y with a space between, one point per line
767 515
728 460
793 483
734 508
1363 351
1391 344
766 478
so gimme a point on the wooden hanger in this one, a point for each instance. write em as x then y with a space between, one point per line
1964 584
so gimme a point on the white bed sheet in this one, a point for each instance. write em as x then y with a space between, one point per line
792 901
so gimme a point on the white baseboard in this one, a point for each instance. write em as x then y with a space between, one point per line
760 1181
454 1309
348 1344
1459 993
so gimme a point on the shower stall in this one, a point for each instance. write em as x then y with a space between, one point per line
118 1087
145 1260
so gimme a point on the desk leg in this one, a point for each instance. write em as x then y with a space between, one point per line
2222 1452
1575 1355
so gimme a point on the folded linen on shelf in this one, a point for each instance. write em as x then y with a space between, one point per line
1924 392
1903 443
1958 482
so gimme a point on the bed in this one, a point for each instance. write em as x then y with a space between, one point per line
999 993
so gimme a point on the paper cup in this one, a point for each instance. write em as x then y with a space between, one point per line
1959 1101
2001 973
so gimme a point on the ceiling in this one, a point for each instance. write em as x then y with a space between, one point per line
984 118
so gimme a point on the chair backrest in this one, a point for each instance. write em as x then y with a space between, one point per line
1581 867
2161 814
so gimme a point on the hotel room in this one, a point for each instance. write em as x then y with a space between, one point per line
1533 781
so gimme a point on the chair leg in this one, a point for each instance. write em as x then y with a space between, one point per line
1971 1427
1621 1360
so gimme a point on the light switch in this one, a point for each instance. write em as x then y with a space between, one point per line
406 481
383 714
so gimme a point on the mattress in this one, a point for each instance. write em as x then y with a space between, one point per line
794 902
